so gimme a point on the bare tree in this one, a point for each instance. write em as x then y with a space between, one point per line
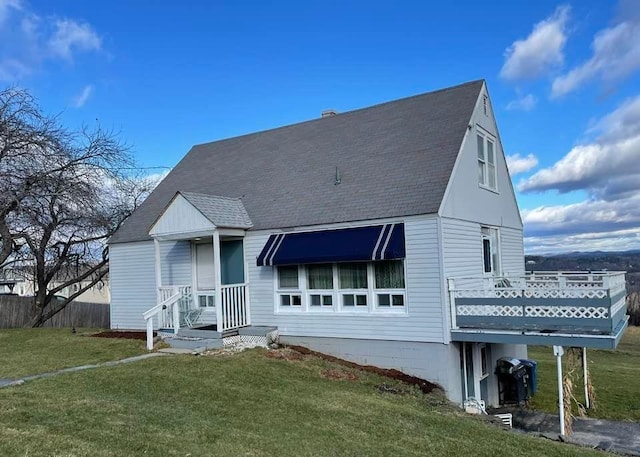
25 134
65 193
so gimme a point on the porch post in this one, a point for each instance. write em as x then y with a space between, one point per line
558 351
156 245
217 275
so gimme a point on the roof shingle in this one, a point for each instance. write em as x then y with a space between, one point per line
394 159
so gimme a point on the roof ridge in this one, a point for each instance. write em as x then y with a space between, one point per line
209 195
357 110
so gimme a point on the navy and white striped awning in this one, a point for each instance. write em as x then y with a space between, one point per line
377 242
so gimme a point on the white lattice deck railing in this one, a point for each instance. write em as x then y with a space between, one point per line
571 301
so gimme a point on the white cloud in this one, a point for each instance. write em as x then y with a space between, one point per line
80 99
518 164
12 70
589 216
525 103
616 240
606 166
6 6
541 51
616 54
38 40
73 36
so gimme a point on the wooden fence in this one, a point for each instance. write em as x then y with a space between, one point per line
16 312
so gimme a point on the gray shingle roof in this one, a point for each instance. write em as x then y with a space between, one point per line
221 211
394 159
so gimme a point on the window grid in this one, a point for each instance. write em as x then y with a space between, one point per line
346 300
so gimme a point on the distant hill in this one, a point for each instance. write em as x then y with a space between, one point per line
583 261
628 261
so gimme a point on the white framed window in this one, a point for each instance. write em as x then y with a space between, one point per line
487 176
353 282
349 287
389 284
490 250
289 294
320 285
206 300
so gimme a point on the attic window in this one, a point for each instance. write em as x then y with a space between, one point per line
487 177
484 104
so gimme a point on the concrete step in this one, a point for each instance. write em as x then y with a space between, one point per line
196 343
196 333
257 330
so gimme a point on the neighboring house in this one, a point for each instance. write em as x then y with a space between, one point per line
387 236
22 284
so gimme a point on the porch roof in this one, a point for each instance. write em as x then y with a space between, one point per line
189 213
221 211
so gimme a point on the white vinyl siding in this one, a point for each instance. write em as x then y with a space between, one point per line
462 246
512 251
133 280
176 263
181 217
465 198
423 320
133 283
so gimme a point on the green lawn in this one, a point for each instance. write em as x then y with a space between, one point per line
25 352
615 376
243 404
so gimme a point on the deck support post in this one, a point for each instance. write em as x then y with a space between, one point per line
217 275
585 377
558 351
452 302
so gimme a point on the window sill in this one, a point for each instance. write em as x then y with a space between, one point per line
338 314
495 191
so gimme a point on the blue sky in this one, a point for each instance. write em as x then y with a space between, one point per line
563 79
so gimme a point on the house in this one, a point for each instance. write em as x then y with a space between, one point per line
387 236
21 283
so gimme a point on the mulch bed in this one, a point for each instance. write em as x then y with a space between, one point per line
285 354
123 334
339 375
425 386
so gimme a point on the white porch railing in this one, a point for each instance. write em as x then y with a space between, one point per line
172 301
571 301
234 312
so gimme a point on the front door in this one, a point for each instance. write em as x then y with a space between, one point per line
231 262
205 283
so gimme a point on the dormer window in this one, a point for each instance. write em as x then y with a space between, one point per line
486 161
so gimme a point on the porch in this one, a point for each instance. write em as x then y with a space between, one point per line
582 309
199 251
574 309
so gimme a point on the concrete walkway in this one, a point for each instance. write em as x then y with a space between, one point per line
614 436
18 381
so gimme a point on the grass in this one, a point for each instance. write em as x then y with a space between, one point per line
30 351
242 404
614 375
